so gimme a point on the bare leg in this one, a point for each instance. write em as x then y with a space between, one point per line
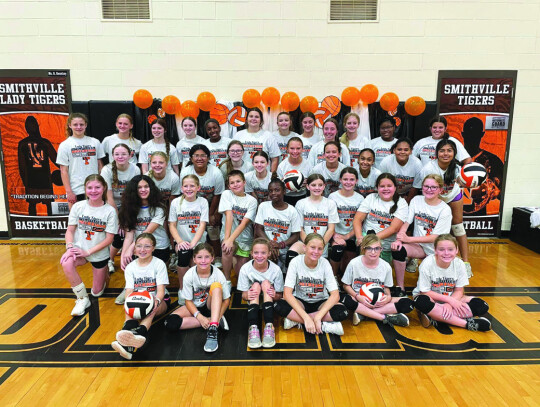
457 218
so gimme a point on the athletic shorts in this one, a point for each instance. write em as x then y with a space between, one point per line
100 264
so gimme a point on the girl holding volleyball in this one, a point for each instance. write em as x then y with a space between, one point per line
294 161
92 224
159 142
146 273
124 125
330 133
284 133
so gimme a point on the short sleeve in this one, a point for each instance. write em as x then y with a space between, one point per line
128 275
112 221
402 210
388 279
73 219
158 217
296 222
175 187
365 206
252 209
424 280
347 276
225 203
333 216
444 223
174 157
243 279
161 273
273 148
62 157
461 273
330 280
204 211
187 289
106 173
99 149
219 182
290 278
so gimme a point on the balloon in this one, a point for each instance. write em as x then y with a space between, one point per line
251 98
206 101
142 99
389 101
170 104
369 94
309 104
350 96
189 108
270 97
415 106
290 101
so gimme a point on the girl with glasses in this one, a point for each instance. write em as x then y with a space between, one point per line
235 160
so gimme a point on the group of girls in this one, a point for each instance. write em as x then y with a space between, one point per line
229 209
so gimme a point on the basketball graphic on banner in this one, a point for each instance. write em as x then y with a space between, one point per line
237 116
220 113
332 104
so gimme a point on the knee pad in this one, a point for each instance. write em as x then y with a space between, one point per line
399 255
336 253
349 302
404 305
184 257
282 308
130 324
424 304
458 230
338 312
291 254
478 306
173 322
215 284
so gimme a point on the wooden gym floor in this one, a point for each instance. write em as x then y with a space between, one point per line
49 358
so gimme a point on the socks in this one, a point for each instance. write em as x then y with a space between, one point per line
80 291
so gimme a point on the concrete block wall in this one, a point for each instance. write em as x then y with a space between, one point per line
228 46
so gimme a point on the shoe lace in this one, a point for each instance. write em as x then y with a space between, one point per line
268 330
212 333
254 332
472 325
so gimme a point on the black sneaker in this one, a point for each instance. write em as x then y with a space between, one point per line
478 324
211 344
396 319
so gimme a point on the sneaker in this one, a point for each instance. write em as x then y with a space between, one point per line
396 319
288 324
211 344
111 266
130 338
357 318
269 336
81 304
181 300
223 323
469 269
332 328
478 324
254 337
218 263
126 353
425 321
173 261
229 284
121 299
412 265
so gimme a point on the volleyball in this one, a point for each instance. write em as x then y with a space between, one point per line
139 304
293 180
220 113
237 116
321 116
472 175
373 292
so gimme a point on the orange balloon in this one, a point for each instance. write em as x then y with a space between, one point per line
415 106
206 101
290 101
369 94
189 108
350 96
270 97
170 104
389 101
142 99
251 98
309 104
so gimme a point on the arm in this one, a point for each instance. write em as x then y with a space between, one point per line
274 164
389 231
64 174
213 211
245 222
110 199
176 169
174 233
198 235
357 226
259 231
127 248
329 232
100 165
144 168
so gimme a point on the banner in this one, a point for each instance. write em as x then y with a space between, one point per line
34 106
478 106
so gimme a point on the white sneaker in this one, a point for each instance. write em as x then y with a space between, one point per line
173 262
81 304
357 318
121 350
223 324
332 328
411 266
229 284
111 266
469 269
218 263
181 300
129 338
121 299
288 324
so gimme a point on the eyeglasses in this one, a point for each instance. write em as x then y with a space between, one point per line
146 246
373 249
200 155
430 187
235 151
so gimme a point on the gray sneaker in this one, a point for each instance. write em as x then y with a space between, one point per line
396 319
478 324
412 266
121 299
254 337
211 344
269 336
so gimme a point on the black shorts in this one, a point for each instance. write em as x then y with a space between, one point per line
350 245
285 308
100 264
204 310
80 197
292 200
118 241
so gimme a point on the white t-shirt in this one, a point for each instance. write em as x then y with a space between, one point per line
381 149
218 150
443 281
145 217
368 185
316 155
113 140
432 167
347 208
188 217
278 225
81 156
357 274
245 168
285 166
379 216
249 275
123 178
316 217
258 186
309 142
333 181
355 146
425 149
429 220
93 224
405 175
282 143
184 145
260 141
146 278
310 285
197 289
241 207
149 148
168 185
211 182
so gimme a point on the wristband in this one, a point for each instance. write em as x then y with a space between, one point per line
69 245
196 313
158 301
